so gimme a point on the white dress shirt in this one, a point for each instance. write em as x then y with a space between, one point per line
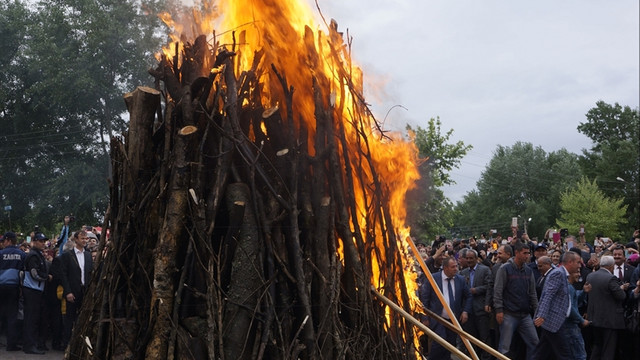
80 257
445 293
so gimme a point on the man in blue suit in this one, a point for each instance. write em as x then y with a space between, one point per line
554 308
456 294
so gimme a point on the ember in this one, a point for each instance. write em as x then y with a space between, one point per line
255 200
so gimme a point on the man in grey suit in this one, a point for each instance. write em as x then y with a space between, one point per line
605 309
554 308
480 282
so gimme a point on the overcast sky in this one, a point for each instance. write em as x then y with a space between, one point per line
496 72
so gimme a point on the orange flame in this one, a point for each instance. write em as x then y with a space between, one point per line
284 32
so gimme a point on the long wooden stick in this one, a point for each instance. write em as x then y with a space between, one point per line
436 290
462 333
420 325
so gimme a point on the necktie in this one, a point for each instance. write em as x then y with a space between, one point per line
568 295
452 299
471 275
541 280
620 273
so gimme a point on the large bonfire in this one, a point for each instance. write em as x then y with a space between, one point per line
254 202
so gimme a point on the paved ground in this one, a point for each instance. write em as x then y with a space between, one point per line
19 355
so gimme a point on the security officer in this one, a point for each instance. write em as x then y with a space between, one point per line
11 263
35 276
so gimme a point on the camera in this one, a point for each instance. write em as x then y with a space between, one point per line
72 218
564 232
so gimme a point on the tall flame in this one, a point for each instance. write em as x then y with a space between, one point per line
283 31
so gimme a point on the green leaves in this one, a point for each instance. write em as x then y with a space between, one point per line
519 180
440 156
614 159
66 65
430 213
527 181
609 125
587 204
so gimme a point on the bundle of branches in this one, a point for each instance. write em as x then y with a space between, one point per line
234 229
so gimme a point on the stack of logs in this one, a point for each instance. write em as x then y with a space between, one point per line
232 227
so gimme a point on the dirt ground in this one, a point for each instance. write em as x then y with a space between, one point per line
19 355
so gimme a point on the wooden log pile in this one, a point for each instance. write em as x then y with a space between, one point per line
234 228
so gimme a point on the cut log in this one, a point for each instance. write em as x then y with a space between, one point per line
237 228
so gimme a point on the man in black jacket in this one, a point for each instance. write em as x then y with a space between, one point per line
76 272
11 263
35 277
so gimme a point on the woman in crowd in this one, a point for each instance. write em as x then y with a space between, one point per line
556 255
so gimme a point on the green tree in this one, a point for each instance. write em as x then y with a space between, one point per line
69 65
430 212
587 204
521 180
614 159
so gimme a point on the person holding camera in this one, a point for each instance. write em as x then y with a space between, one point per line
64 234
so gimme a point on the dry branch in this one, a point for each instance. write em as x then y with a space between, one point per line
235 228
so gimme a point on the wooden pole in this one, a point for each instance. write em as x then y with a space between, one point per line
462 333
420 325
436 290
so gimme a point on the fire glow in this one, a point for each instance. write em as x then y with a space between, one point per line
286 34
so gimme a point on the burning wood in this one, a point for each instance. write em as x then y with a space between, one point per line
254 203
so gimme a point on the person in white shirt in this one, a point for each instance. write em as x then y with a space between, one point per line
76 273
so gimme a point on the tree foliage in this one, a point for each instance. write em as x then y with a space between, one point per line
521 180
614 159
587 204
430 212
67 66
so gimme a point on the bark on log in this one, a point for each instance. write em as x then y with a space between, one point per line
246 280
166 254
235 230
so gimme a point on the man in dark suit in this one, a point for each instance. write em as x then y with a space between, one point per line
605 309
456 294
539 251
554 308
76 272
544 266
622 270
480 282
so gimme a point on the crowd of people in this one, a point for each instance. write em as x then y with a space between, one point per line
557 298
42 284
560 297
